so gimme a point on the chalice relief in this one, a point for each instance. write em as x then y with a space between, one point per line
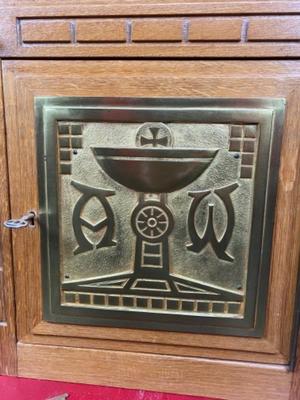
154 169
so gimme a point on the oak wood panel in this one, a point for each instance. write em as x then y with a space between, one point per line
7 318
182 375
155 7
288 218
270 36
295 387
97 30
23 80
274 28
215 29
47 31
157 29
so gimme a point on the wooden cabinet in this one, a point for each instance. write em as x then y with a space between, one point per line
236 93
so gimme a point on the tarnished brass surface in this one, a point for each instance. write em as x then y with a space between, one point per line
158 213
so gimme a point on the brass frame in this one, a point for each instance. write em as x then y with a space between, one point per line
269 113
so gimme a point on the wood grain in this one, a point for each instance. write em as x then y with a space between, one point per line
157 30
274 28
97 30
286 246
215 29
45 31
8 359
182 375
156 7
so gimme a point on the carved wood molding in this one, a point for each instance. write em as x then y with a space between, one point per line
55 32
180 31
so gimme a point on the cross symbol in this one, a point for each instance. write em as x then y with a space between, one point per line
155 140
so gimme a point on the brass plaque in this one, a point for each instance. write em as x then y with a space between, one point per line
158 213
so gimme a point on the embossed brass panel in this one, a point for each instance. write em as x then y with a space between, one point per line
158 213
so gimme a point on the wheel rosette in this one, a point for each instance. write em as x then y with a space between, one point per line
152 221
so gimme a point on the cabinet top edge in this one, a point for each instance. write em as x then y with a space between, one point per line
151 7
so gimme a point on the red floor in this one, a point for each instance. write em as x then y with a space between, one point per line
32 389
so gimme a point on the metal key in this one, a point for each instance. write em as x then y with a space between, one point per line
27 220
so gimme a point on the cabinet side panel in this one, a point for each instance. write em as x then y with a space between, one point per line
7 313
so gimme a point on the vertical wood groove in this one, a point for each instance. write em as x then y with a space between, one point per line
128 30
244 30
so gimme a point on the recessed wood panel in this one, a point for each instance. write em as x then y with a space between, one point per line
41 31
215 29
274 28
157 30
101 30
